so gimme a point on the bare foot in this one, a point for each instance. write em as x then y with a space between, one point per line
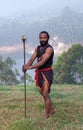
47 116
53 110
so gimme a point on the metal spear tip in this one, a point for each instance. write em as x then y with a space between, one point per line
23 38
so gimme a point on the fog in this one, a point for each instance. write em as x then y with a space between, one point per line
37 7
15 8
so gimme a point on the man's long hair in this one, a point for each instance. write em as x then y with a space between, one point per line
46 34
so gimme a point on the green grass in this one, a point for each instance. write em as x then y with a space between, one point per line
67 98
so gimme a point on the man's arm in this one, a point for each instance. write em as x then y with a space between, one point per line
45 57
30 62
33 57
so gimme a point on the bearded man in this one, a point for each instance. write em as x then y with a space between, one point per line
44 73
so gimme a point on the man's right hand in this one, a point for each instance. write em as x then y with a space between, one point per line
24 68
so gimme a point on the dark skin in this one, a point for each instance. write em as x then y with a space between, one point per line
46 87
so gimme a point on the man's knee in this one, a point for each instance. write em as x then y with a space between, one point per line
45 94
47 87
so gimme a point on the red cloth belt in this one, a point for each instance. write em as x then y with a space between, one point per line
40 70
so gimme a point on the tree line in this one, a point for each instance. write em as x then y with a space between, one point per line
9 75
68 68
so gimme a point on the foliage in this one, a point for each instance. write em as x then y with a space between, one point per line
69 66
8 75
28 78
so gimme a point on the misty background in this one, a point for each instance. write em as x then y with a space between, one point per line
63 19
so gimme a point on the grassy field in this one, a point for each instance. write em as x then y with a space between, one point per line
67 98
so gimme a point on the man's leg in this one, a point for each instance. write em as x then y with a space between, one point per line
48 104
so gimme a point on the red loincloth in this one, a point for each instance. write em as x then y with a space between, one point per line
48 73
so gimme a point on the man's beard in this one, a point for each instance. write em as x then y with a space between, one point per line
43 43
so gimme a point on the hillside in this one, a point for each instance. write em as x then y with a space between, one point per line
68 27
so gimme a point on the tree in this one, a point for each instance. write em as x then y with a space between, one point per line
8 75
69 66
10 62
28 78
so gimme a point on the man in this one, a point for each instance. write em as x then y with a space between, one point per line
44 73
